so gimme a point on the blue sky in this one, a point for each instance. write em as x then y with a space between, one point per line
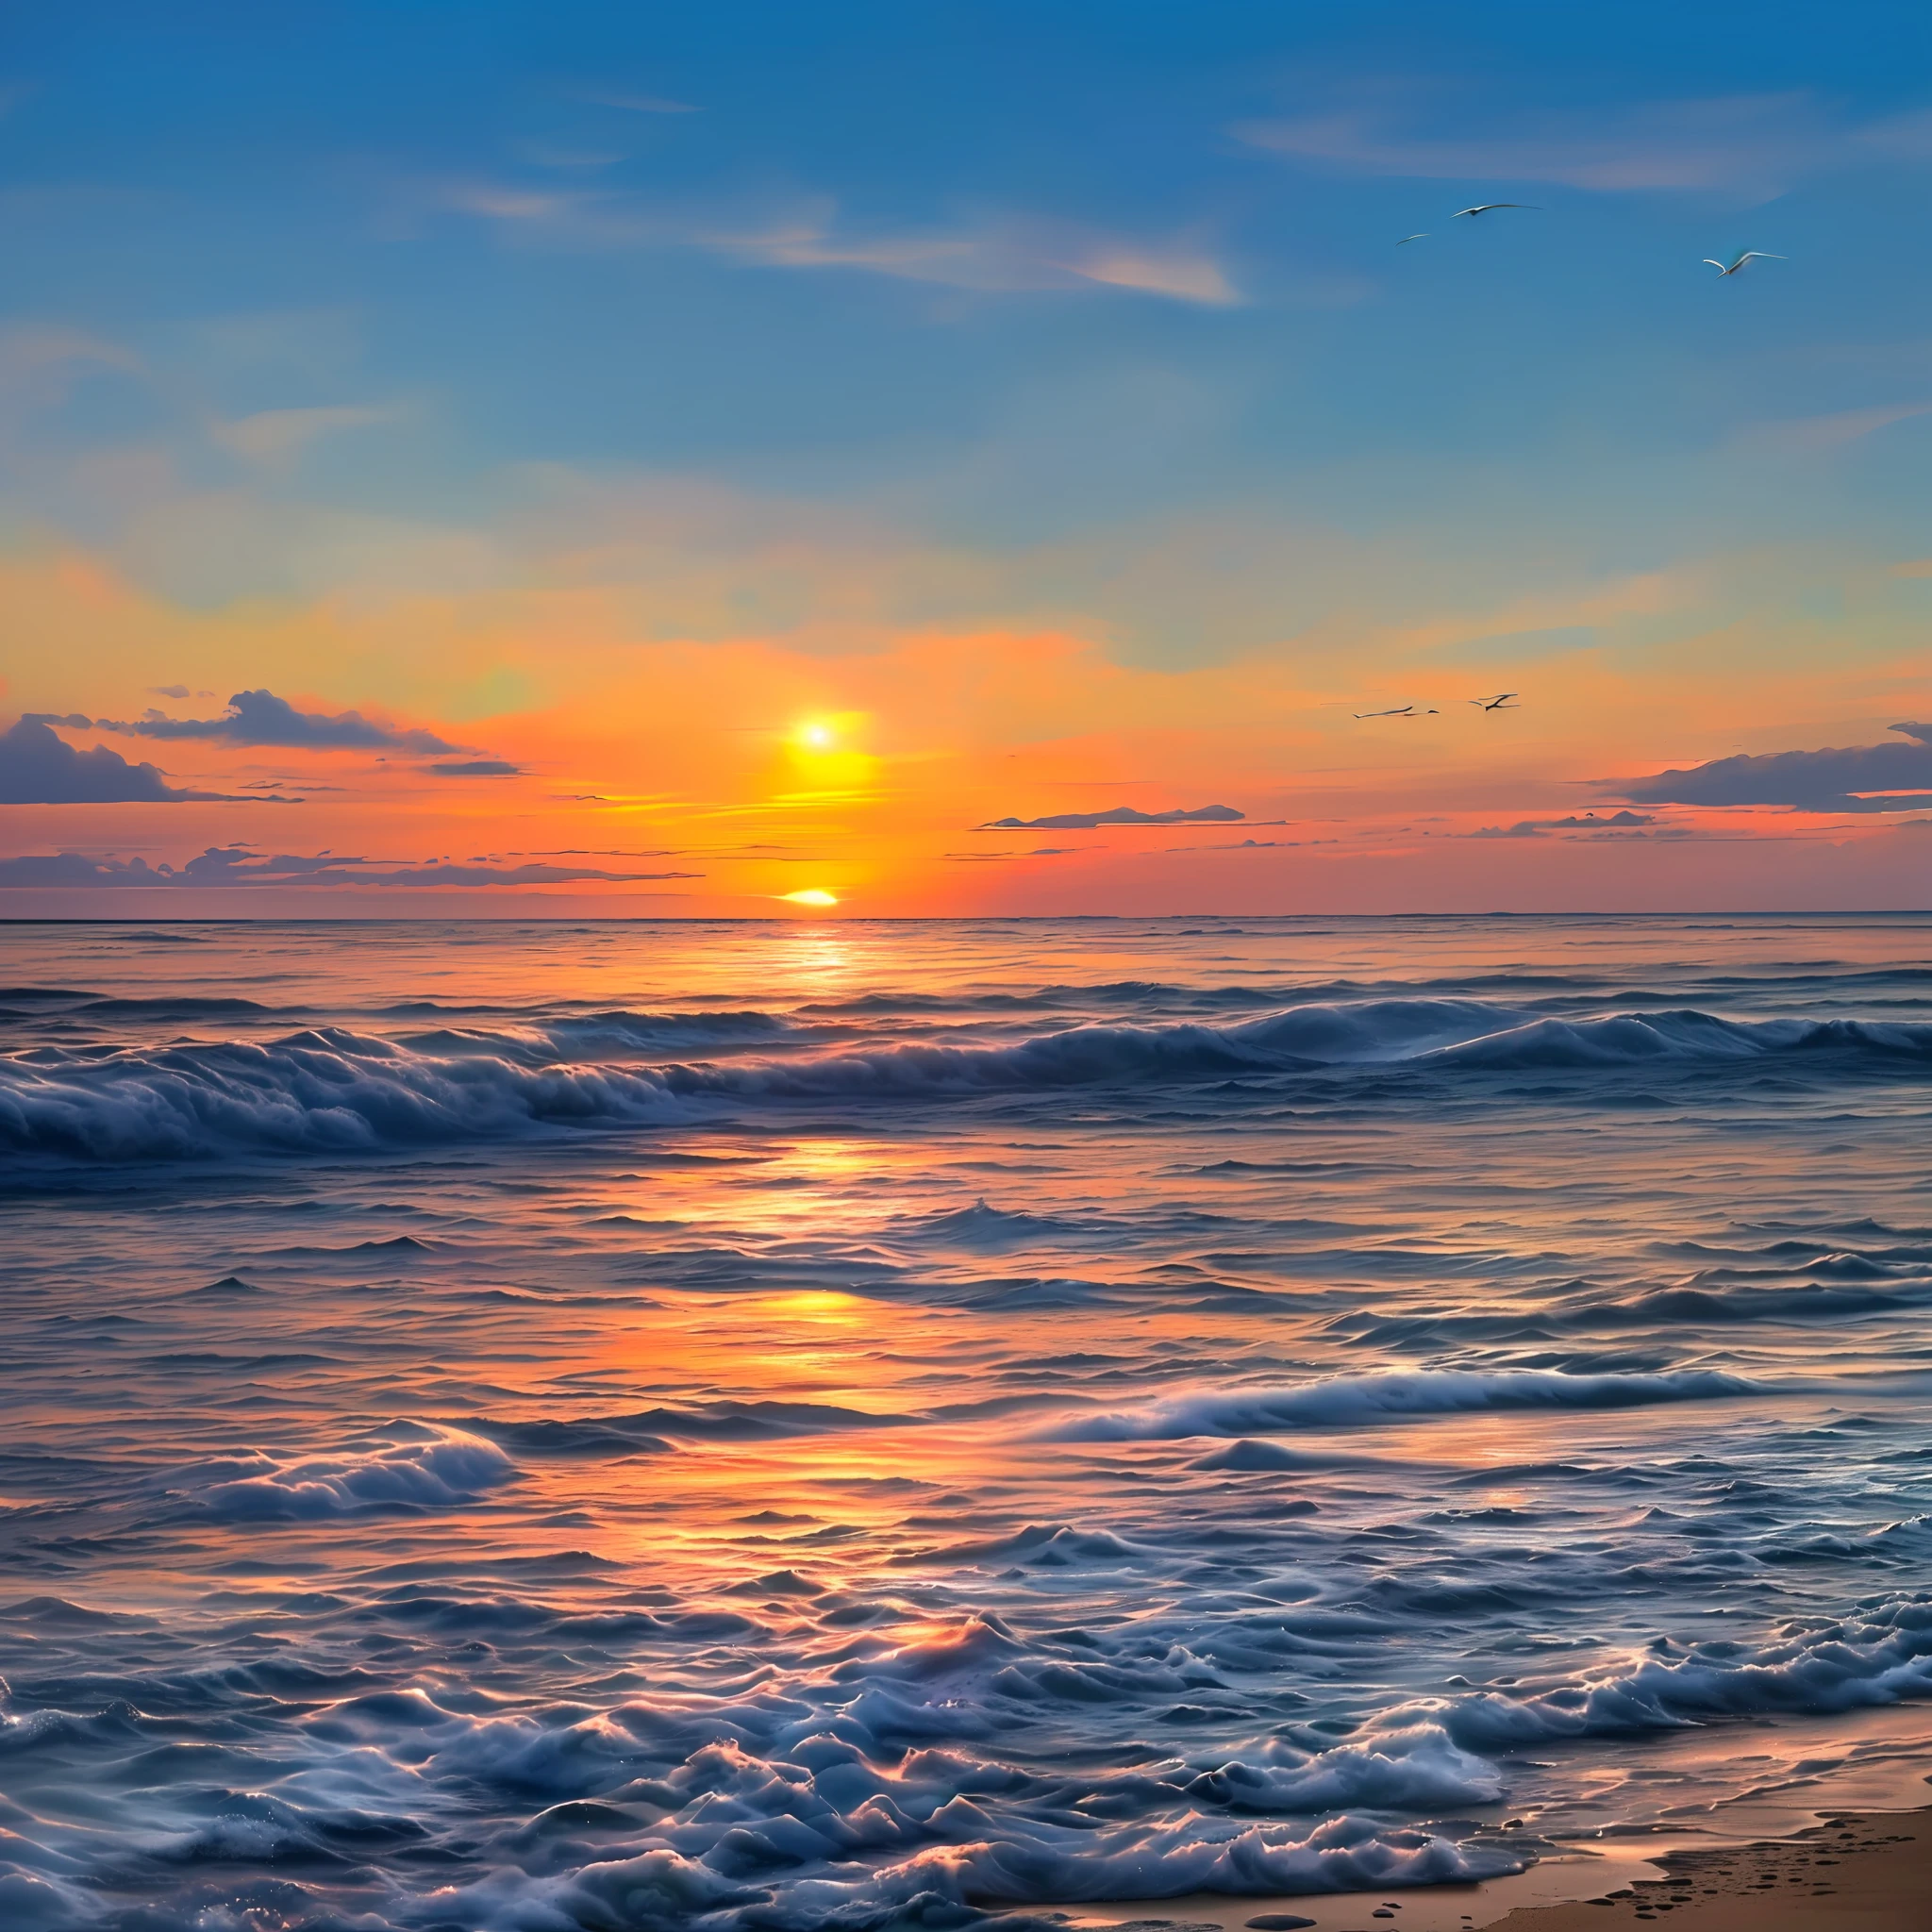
449 218
1072 315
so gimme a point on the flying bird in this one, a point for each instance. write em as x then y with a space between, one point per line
1499 702
1408 239
1400 711
1749 255
1483 207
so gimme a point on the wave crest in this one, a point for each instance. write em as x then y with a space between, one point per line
409 1465
329 1089
1353 1401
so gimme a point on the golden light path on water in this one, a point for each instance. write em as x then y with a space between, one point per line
848 1425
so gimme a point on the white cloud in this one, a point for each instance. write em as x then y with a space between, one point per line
500 204
993 255
273 436
39 362
996 256
1186 277
1814 435
1749 143
547 155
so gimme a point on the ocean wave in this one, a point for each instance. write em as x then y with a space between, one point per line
1882 1656
1353 1401
329 1089
915 1783
408 1465
1683 1035
943 1884
618 1036
644 1430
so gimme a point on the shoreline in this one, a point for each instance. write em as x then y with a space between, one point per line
1854 1871
1872 1871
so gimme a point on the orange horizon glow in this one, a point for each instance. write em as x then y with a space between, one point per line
646 759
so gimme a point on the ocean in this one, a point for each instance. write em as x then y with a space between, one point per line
587 1427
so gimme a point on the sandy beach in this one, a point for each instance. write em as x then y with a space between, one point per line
1867 1870
1870 1871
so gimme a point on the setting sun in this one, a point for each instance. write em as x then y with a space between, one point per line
1320 1289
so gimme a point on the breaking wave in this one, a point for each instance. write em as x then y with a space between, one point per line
1349 1402
824 1456
901 1786
330 1089
407 1466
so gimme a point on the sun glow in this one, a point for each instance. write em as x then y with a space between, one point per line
811 895
815 735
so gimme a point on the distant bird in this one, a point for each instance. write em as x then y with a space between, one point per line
1749 255
1400 711
1483 207
1499 702
1408 239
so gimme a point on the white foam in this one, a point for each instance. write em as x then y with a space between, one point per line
1352 1400
330 1089
425 1467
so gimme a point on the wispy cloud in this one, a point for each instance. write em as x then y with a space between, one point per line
503 203
39 364
999 256
1617 821
991 254
276 435
1119 815
1753 144
542 153
1002 858
1801 436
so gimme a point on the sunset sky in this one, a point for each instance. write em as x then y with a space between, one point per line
635 459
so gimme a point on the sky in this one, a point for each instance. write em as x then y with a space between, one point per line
567 459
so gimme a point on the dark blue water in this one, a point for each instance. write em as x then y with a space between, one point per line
770 1426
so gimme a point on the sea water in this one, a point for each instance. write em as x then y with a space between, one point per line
527 1426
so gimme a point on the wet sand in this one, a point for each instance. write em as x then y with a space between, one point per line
1871 1872
1856 1872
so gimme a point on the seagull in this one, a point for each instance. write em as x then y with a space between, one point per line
1408 239
1482 208
1499 702
1749 255
1400 711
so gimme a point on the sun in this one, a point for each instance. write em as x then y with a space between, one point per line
811 895
815 735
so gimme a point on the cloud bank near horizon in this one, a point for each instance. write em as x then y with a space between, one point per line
236 866
1118 815
39 767
260 718
1857 779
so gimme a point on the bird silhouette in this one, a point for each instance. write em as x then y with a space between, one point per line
1749 255
1483 207
1499 702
